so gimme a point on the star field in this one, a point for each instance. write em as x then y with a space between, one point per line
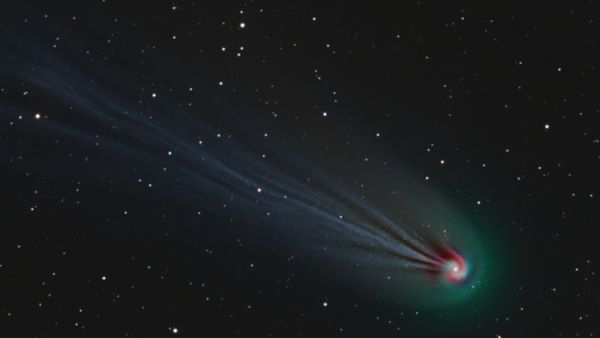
274 169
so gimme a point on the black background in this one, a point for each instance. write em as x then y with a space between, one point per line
470 83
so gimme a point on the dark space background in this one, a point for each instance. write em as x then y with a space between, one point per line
493 104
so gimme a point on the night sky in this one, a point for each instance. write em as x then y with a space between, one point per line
299 169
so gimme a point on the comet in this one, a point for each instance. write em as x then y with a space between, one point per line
388 232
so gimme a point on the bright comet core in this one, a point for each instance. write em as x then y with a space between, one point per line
455 268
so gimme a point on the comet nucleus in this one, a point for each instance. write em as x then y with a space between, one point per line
454 268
